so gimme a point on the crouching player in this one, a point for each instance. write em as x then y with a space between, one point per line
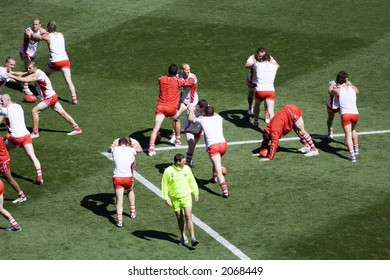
287 119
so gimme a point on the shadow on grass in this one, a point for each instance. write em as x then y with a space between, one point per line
143 139
50 130
162 166
203 184
154 234
239 118
99 203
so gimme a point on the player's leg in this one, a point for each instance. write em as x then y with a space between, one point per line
267 118
329 123
305 137
156 128
36 111
355 139
14 225
251 93
68 79
10 179
191 148
217 167
119 191
131 197
26 60
256 112
29 149
60 110
180 222
270 107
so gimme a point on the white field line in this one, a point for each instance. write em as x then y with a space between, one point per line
283 139
196 220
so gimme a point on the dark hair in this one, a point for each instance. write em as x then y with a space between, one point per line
51 26
124 141
178 157
209 111
341 77
260 50
203 103
266 136
266 57
172 70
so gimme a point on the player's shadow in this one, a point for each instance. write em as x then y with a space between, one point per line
48 130
64 100
99 204
143 139
239 118
326 145
162 166
154 234
18 87
204 185
17 176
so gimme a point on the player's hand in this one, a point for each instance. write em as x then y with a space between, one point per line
196 198
168 202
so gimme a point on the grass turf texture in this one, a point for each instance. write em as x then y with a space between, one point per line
290 208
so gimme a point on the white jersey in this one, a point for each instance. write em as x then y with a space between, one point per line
347 99
14 120
189 95
332 101
30 46
57 47
265 73
123 158
192 127
43 85
4 78
212 128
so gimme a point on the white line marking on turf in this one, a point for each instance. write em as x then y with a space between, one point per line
283 139
196 220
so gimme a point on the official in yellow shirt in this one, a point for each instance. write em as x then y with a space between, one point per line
177 185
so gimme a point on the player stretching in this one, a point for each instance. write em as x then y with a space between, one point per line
48 96
14 225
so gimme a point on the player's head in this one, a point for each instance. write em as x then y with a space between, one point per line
179 160
259 53
51 26
36 24
341 77
123 141
5 99
202 104
185 69
266 57
32 66
172 70
10 63
209 111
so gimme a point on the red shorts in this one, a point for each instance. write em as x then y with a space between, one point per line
51 101
165 110
331 110
263 95
219 148
20 141
347 119
122 182
1 187
58 65
5 166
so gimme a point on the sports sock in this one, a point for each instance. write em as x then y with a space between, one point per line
13 222
309 141
189 158
39 174
120 218
224 188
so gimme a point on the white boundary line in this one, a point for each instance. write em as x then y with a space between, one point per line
196 220
283 139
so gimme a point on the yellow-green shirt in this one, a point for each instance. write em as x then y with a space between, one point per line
178 182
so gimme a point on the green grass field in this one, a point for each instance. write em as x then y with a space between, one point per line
291 208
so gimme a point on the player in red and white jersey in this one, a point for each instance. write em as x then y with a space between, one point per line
5 70
193 131
5 170
168 103
48 96
332 107
287 119
265 72
19 136
216 144
123 157
189 96
14 226
346 93
29 48
59 60
250 81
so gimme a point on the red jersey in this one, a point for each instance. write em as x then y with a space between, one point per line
169 90
280 125
4 155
